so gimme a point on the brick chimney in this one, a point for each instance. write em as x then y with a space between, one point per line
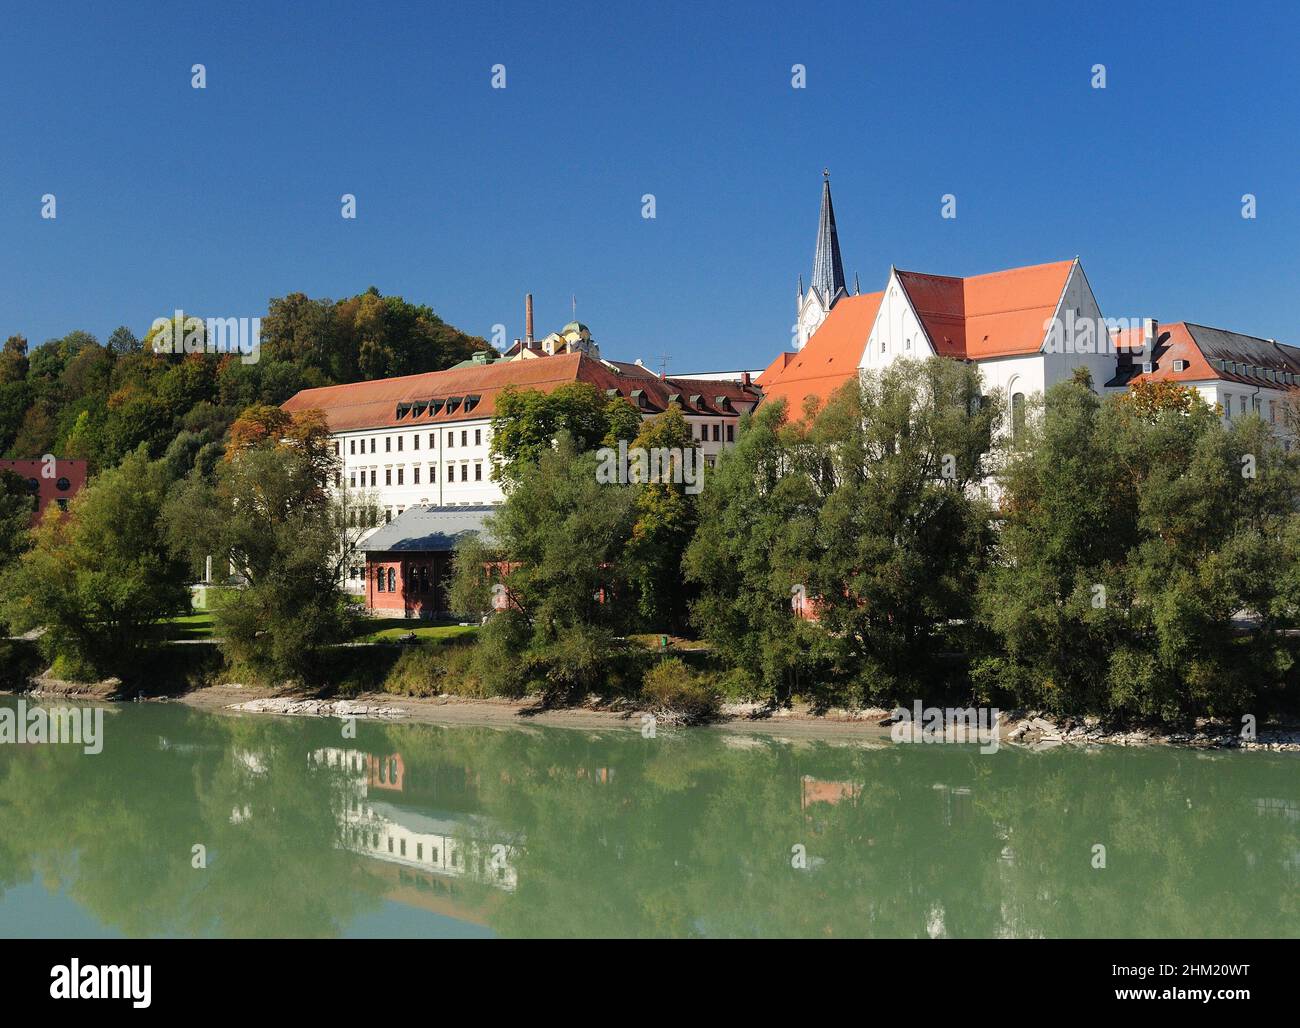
528 320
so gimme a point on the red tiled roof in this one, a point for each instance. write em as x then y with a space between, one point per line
994 315
367 405
769 373
1202 349
829 359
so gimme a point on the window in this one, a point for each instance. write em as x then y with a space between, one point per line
717 429
388 515
419 851
62 501
1017 414
1227 405
464 437
451 439
399 475
388 476
373 474
478 472
415 441
392 580
379 579
433 441
352 447
338 479
731 433
399 444
464 472
451 473
415 475
352 479
478 437
372 444
337 451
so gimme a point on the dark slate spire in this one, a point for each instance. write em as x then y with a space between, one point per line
828 268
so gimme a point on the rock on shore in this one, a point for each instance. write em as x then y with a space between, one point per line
319 708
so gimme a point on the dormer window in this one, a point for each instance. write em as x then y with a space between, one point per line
1180 365
471 402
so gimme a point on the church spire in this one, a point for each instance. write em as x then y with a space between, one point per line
828 268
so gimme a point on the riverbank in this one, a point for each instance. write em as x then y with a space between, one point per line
1028 729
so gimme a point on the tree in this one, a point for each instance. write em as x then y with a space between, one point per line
558 548
1136 533
526 422
123 341
13 360
868 517
270 514
894 535
666 517
101 579
744 604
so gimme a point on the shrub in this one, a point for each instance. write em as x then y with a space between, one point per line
672 687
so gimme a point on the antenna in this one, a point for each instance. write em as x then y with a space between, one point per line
663 365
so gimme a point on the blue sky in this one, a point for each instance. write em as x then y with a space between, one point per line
467 197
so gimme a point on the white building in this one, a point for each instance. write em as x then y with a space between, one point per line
426 439
1027 328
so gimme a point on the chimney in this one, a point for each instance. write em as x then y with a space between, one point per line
744 379
528 320
1150 333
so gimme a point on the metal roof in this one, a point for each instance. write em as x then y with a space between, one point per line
427 529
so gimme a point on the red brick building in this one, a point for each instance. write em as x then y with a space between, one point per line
408 561
49 482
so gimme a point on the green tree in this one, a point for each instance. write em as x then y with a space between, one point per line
270 514
1137 534
558 549
526 422
102 578
893 535
666 517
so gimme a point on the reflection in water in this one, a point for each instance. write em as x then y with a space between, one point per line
533 832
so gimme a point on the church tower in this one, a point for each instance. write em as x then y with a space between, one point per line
827 285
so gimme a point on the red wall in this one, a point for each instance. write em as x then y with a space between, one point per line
73 472
420 578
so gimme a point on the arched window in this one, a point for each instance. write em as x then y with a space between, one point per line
1017 414
392 580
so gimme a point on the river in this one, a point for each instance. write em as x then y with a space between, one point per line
197 824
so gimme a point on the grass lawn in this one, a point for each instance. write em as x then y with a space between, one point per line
393 629
197 625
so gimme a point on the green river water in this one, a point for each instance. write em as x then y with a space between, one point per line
423 831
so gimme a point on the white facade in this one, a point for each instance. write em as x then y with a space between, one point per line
897 333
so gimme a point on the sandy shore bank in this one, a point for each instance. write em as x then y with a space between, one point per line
1022 729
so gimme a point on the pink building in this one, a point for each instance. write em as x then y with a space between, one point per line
49 482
